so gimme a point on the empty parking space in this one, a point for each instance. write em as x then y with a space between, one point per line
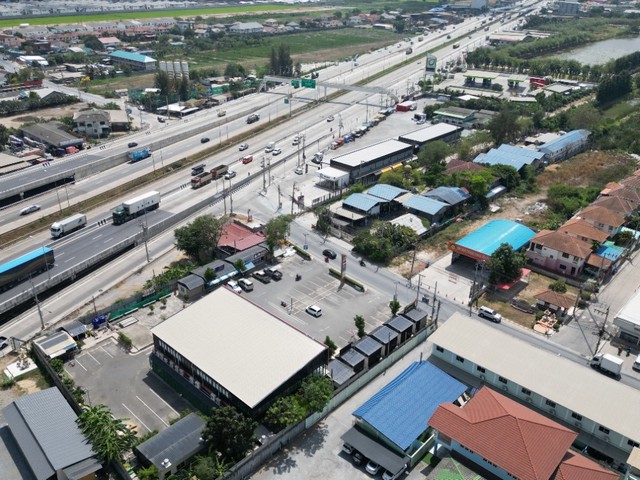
126 385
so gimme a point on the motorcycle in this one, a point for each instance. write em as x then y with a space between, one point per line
298 277
283 303
362 264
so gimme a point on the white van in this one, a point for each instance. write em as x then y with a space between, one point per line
246 285
270 146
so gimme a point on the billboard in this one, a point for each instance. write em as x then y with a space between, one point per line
431 63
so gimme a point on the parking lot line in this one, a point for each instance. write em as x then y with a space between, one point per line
102 348
94 358
163 401
76 360
134 415
152 411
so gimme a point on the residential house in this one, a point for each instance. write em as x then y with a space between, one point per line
621 206
620 190
454 196
565 146
429 208
509 440
602 218
109 42
556 302
583 230
93 123
558 252
244 28
457 166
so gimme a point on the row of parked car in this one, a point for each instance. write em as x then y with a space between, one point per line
264 276
371 467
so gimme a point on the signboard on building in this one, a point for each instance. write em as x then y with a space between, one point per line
431 64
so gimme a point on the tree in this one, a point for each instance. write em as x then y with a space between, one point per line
199 238
504 126
323 219
110 437
505 264
92 42
331 345
360 325
183 89
315 393
285 63
229 432
162 81
276 230
559 286
432 159
394 306
284 412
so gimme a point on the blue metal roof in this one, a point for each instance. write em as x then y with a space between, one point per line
524 152
425 205
515 157
450 195
386 192
361 201
610 252
401 409
133 56
27 257
565 140
491 235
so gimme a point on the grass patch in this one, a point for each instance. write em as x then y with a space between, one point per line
37 377
620 110
439 243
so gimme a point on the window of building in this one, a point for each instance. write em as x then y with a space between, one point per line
526 391
502 380
459 358
565 255
576 416
631 443
440 349
551 404
563 267
481 369
538 246
603 430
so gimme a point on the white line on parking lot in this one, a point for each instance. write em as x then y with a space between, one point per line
151 410
94 358
102 348
133 414
163 401
81 365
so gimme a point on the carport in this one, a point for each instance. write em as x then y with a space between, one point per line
372 450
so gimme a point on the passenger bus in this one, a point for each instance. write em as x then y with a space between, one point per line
21 268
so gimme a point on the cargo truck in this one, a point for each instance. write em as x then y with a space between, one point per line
607 364
135 207
139 154
201 180
219 171
68 225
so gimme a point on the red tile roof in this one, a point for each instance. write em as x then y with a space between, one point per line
577 467
633 181
602 215
516 439
563 242
456 165
621 206
238 237
577 227
555 298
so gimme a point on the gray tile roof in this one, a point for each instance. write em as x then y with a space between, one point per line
400 324
368 345
384 334
339 372
352 357
44 426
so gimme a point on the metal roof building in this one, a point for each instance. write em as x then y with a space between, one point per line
44 427
515 157
450 195
363 202
567 145
135 60
56 344
368 160
386 192
427 207
440 131
481 243
231 350
400 410
558 387
51 134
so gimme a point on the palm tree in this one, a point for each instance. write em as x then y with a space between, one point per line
110 436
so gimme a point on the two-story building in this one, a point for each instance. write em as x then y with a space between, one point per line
92 122
602 218
559 252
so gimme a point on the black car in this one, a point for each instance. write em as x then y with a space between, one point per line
253 118
204 139
329 253
132 144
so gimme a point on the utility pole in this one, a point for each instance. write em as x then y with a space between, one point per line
35 297
602 330
293 196
413 262
264 179
437 315
433 303
418 290
279 198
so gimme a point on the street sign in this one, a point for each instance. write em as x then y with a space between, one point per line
295 83
308 83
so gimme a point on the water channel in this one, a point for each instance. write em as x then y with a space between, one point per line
599 53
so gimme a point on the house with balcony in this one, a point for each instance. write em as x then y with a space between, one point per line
583 230
602 218
558 252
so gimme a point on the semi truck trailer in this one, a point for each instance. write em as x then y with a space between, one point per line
135 207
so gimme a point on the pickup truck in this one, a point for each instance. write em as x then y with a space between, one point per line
262 276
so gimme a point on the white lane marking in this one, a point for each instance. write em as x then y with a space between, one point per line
94 358
163 401
108 240
97 236
151 410
102 348
69 259
133 414
81 365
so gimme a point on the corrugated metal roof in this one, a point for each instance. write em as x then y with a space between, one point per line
542 372
514 158
192 281
75 328
339 372
524 152
491 235
430 133
250 365
44 425
400 324
368 346
361 201
425 205
574 136
132 56
384 334
415 314
367 154
177 443
401 409
386 192
450 195
352 357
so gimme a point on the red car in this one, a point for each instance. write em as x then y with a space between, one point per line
247 159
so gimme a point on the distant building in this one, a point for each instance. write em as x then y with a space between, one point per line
568 8
565 146
93 123
246 28
134 60
51 135
109 42
463 117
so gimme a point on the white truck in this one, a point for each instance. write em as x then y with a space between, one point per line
135 207
607 364
68 225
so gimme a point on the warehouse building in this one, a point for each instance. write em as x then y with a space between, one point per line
466 348
134 60
223 349
441 131
566 146
51 135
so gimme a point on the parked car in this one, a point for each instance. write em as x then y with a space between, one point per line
4 343
204 139
274 272
263 277
234 286
387 475
243 146
161 119
247 159
314 310
245 284
229 175
329 253
490 314
636 364
372 467
29 209
132 144
358 458
299 171
346 448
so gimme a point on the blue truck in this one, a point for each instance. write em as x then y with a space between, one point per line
138 155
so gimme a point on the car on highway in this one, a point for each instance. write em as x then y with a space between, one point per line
329 253
247 159
295 141
253 118
314 310
330 118
299 171
448 37
234 286
204 140
132 144
243 146
222 113
276 151
229 175
317 158
29 209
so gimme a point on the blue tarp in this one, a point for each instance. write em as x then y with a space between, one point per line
401 409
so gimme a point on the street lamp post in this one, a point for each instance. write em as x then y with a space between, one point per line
144 238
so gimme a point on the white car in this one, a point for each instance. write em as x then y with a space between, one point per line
299 171
314 310
229 175
234 286
276 151
372 467
243 146
330 118
29 209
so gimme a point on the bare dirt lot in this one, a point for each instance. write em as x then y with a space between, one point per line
45 114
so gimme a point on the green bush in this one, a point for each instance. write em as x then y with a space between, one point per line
539 315
559 286
125 340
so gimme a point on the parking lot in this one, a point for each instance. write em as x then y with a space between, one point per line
316 287
125 383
